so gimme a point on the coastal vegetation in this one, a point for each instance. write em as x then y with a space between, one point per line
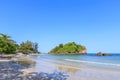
28 47
70 47
9 46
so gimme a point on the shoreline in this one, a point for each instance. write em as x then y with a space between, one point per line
80 68
82 73
47 67
10 70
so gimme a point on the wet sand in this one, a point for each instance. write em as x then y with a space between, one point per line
14 71
47 68
75 73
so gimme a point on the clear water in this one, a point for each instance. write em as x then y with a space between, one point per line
80 67
89 60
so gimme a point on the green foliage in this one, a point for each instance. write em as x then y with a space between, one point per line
35 47
71 47
7 45
28 47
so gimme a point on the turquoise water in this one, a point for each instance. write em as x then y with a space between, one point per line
82 61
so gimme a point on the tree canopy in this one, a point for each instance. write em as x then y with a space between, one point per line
70 47
7 45
28 47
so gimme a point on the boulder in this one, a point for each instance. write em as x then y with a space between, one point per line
83 52
99 54
20 54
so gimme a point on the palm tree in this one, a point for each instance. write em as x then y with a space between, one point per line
7 44
5 36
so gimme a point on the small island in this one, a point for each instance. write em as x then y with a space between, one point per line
69 48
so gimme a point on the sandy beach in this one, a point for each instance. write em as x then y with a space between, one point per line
75 73
14 71
47 70
5 60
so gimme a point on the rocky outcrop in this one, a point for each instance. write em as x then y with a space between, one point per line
20 54
99 54
103 54
83 52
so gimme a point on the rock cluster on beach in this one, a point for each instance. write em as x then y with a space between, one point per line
12 71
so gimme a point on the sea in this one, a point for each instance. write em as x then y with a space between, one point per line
83 67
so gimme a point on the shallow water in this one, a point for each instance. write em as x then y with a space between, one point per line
80 67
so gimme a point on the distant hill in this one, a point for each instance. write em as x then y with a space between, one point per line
69 48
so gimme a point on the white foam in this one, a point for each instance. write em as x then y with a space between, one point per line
92 62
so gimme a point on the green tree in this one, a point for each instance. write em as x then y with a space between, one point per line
7 45
28 47
70 47
35 47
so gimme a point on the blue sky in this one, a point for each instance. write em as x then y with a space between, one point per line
93 23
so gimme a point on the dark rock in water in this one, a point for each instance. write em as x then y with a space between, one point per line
103 54
99 54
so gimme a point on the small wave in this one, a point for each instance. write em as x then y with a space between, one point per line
92 62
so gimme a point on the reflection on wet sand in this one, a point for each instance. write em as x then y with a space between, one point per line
28 63
75 73
67 68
